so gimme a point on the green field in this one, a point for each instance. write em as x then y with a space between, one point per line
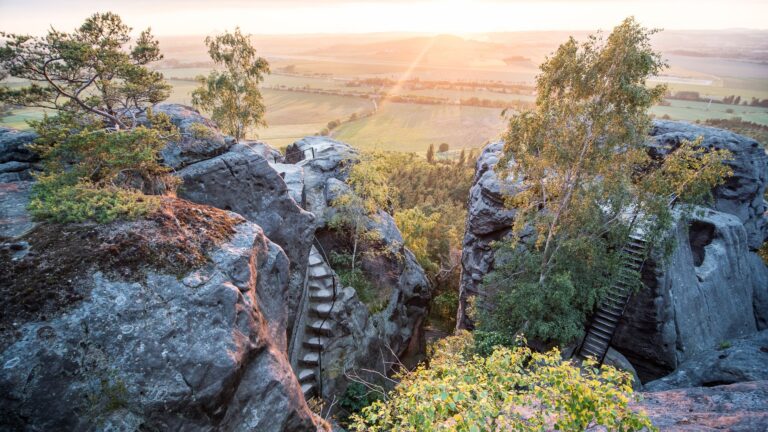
412 128
692 111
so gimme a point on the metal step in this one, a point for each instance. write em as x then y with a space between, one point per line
306 375
308 389
315 259
321 294
318 272
322 327
316 343
322 309
311 359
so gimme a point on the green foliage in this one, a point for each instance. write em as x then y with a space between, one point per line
418 229
232 96
367 292
511 389
724 345
487 341
90 71
585 182
95 174
357 397
80 202
429 202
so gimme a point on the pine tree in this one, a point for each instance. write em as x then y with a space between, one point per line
431 153
462 158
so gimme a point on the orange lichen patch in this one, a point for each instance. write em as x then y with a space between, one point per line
48 270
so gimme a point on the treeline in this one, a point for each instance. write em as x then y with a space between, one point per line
417 84
728 100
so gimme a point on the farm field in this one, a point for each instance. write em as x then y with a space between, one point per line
692 111
412 128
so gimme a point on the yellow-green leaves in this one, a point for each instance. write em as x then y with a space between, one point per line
232 95
510 390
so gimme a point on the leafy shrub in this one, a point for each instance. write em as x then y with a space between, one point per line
92 173
512 389
367 292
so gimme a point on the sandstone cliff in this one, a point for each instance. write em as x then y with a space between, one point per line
712 288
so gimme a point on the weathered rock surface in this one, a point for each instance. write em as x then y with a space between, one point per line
331 161
737 408
200 138
17 162
362 339
15 220
742 194
243 181
703 294
488 220
735 361
157 351
712 288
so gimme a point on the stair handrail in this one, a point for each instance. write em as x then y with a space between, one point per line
320 347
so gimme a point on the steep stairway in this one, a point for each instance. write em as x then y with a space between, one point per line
605 320
314 330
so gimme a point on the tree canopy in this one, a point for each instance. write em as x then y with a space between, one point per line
93 70
232 95
584 180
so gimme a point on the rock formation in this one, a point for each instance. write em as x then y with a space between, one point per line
712 288
17 162
739 407
136 330
141 330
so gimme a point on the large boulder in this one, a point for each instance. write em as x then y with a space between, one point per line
488 220
705 292
734 361
200 138
743 194
244 181
17 161
322 160
736 408
712 288
167 323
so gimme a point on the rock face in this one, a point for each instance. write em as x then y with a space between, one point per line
16 160
712 288
488 220
200 138
734 361
712 272
144 348
361 339
737 408
742 194
243 181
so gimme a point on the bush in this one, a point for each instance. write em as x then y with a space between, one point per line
92 173
367 292
512 389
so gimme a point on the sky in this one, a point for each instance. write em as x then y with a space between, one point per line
193 17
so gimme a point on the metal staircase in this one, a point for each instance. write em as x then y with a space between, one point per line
605 320
313 329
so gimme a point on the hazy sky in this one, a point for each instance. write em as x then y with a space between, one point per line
169 17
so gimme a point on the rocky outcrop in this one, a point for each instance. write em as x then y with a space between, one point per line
742 195
17 161
737 408
322 161
242 180
360 336
200 138
155 334
712 288
733 361
710 271
488 220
